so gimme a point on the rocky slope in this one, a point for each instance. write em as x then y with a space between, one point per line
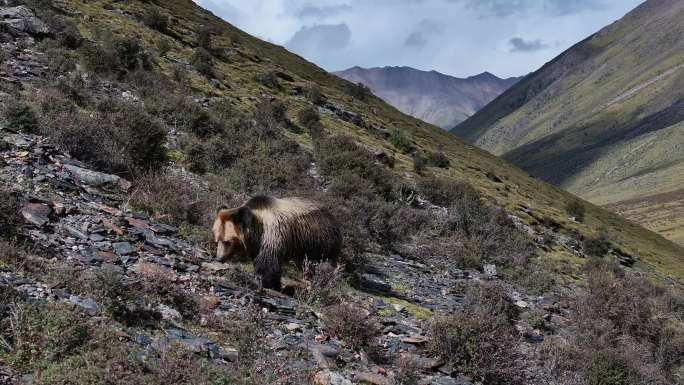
603 120
459 270
436 98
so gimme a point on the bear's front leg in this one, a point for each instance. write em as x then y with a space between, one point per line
267 267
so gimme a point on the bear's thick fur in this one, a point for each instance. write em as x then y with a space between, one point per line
273 231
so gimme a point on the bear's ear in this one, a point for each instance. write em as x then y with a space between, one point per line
221 208
243 217
226 214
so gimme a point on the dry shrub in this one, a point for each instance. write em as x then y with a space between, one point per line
352 170
115 54
351 324
444 192
597 245
625 327
172 199
408 370
438 159
472 231
9 214
122 138
309 117
325 283
480 340
39 335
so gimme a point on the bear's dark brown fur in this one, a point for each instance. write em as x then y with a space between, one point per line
273 231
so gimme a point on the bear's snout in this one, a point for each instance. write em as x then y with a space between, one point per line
224 249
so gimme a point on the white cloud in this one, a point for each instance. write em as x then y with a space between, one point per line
459 37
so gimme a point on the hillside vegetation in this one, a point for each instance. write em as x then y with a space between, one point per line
604 119
126 124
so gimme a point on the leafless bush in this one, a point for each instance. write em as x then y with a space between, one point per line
171 198
325 283
351 324
480 339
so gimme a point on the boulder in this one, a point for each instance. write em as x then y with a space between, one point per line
19 20
36 214
95 178
327 377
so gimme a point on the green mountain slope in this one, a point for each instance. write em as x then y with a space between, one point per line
602 120
125 125
250 58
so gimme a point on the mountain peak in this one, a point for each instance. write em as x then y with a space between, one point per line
432 96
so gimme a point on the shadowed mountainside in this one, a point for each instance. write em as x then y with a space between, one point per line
604 119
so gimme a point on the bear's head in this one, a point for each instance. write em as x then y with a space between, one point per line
229 231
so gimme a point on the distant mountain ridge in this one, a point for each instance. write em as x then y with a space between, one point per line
604 120
431 96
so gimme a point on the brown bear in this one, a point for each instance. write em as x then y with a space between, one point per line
273 231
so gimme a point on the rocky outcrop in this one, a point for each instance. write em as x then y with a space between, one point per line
21 20
81 217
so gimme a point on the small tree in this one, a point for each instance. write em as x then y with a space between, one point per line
203 62
155 19
312 92
358 91
308 117
576 209
400 140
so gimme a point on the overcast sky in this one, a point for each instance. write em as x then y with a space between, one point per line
456 37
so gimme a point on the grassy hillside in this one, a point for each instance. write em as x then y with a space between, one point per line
124 127
241 63
602 119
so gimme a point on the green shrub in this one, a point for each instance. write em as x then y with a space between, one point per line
124 139
115 54
20 117
419 163
272 114
203 62
576 209
268 79
400 140
358 91
131 53
309 117
66 33
155 19
314 94
350 167
608 367
205 37
9 214
597 245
